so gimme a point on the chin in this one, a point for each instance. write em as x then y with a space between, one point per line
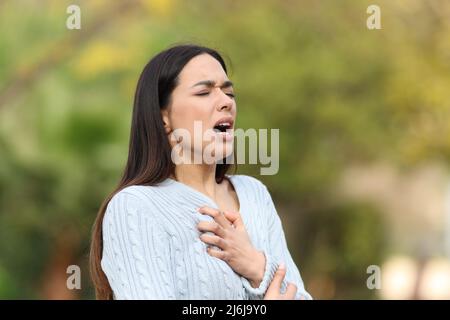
217 152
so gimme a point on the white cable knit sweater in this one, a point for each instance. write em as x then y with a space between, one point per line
152 249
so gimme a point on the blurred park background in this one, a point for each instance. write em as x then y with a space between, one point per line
363 115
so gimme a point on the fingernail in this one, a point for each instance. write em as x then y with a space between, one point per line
281 265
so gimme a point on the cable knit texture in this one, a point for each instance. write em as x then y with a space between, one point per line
152 249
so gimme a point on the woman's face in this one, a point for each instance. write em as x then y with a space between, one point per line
202 100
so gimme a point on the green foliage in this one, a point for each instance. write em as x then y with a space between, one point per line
339 93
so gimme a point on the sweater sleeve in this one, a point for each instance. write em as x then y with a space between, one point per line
277 252
135 250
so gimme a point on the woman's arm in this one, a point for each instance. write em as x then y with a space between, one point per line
256 266
135 248
278 252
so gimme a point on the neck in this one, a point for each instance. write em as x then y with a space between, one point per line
201 177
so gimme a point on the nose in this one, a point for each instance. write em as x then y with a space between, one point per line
225 103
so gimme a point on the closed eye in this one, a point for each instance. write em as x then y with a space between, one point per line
206 93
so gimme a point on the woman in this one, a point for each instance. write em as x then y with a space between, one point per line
187 230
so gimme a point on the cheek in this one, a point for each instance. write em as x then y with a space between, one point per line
182 115
195 117
191 110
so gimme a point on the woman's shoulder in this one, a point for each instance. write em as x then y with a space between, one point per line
135 197
133 191
134 209
132 204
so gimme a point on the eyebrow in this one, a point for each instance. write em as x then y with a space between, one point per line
210 83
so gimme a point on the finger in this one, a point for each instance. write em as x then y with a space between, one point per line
211 227
214 240
231 215
275 285
216 215
291 290
234 218
222 255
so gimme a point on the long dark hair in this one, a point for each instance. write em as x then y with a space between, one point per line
149 156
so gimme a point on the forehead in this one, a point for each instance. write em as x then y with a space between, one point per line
202 67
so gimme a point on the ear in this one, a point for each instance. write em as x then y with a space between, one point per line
165 118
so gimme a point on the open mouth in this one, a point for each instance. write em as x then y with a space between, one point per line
222 127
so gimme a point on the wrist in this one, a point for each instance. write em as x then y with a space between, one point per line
256 276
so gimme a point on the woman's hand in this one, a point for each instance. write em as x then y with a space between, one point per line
237 250
273 292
